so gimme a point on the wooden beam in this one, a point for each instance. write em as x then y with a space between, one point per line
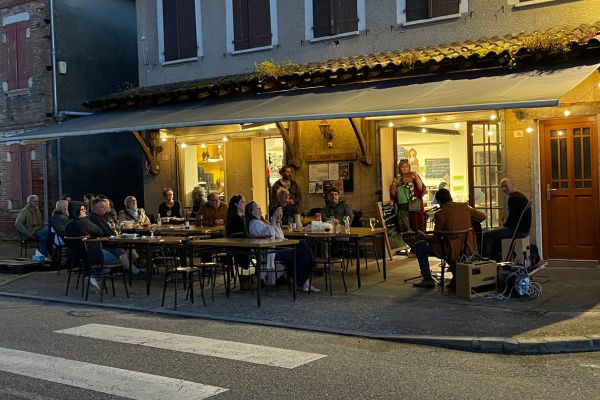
358 126
290 148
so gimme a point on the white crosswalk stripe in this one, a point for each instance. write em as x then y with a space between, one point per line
271 356
113 381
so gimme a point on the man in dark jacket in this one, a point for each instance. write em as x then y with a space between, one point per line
335 207
517 223
288 183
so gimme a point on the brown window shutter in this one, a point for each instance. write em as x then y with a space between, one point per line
20 174
440 8
188 43
22 73
322 18
241 25
12 56
416 10
345 16
260 17
170 34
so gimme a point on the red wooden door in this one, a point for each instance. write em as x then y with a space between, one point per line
569 179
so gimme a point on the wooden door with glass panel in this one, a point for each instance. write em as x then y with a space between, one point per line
569 185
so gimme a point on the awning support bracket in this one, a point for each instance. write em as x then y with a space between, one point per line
361 128
290 141
152 160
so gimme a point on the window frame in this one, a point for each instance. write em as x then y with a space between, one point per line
161 34
308 23
22 80
230 31
463 7
518 4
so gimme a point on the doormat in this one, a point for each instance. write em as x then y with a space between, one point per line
18 265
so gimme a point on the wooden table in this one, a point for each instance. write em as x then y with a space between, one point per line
355 235
145 243
260 246
178 230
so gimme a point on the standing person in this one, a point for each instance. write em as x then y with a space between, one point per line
288 183
30 224
257 226
451 217
235 225
284 201
213 212
408 190
132 212
335 207
517 223
170 207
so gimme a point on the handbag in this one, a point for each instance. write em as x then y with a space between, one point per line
414 205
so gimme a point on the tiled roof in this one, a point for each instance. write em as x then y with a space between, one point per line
511 51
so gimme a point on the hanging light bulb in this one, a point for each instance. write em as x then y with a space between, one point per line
529 129
203 145
423 119
391 124
566 113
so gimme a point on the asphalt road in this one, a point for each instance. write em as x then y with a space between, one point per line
329 366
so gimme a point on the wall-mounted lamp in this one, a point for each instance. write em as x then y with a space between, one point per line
325 129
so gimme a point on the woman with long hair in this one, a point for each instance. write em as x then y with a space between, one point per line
257 226
235 224
170 207
408 190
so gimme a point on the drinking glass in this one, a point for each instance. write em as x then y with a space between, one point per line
169 212
117 229
152 229
372 222
201 218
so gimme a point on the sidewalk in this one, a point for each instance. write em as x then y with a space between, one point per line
565 318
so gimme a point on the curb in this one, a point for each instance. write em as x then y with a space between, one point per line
503 345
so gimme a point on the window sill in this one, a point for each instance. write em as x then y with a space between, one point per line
428 21
333 37
18 92
531 3
180 61
252 50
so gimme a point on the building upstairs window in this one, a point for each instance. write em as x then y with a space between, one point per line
180 29
426 9
251 24
16 45
334 17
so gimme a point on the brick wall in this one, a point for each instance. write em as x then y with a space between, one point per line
26 109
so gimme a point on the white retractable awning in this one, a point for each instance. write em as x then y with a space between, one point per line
481 90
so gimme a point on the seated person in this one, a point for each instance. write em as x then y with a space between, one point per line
257 226
451 217
213 213
30 224
197 201
284 200
132 212
335 207
58 222
514 224
235 225
170 208
100 209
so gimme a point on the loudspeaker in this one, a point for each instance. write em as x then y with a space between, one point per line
477 278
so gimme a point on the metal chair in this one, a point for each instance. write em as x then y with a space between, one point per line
445 237
176 271
96 267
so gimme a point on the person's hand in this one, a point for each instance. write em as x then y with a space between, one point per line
219 221
291 201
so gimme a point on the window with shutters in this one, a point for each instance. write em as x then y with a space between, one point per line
179 30
251 25
21 179
418 11
330 18
16 55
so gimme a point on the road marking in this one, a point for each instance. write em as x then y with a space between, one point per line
113 381
23 394
271 356
590 365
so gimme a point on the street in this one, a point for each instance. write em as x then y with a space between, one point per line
54 351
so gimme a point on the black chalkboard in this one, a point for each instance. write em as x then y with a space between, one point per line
389 216
437 167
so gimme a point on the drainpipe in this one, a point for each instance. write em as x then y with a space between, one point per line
54 114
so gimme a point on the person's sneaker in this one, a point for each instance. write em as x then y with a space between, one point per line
310 288
425 283
94 284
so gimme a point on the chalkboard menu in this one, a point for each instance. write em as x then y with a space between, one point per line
389 218
437 167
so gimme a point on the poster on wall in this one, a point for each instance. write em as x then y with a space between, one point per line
324 176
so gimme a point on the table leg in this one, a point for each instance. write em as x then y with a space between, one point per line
257 274
294 274
130 252
357 262
383 252
148 269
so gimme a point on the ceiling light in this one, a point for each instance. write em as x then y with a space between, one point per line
203 145
423 130
566 113
391 124
529 129
423 119
163 139
183 145
456 125
560 133
493 117
225 138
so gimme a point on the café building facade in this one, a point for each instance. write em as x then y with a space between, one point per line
521 105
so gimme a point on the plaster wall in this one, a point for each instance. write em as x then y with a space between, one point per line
484 19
